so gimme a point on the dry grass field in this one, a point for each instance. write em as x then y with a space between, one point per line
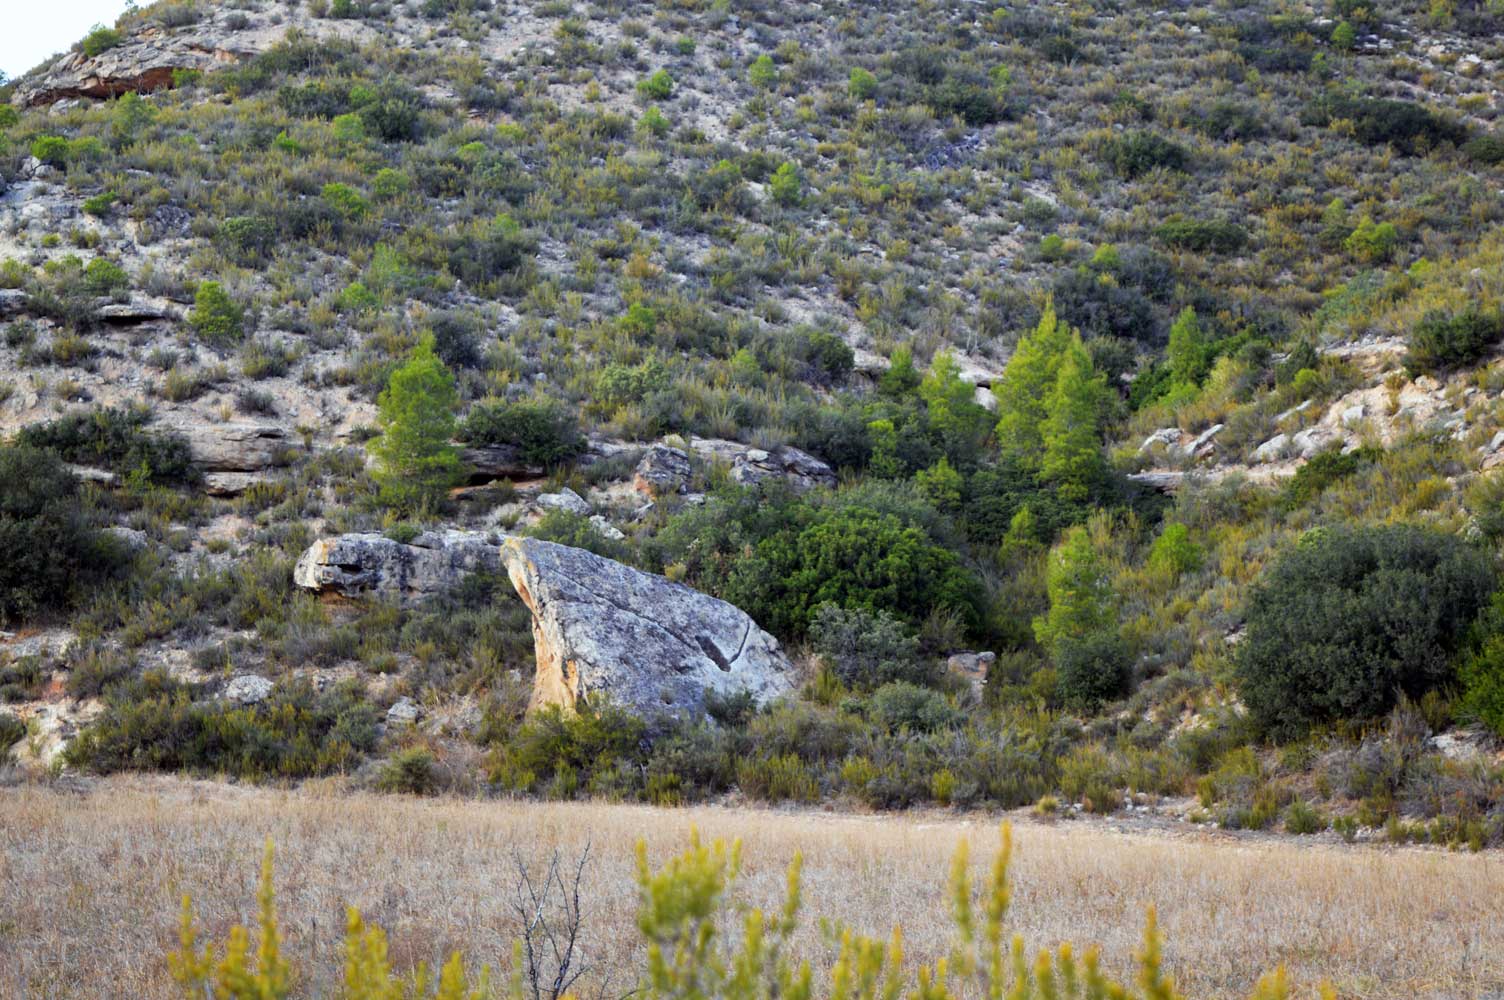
90 882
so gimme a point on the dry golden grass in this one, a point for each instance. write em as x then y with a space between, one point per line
90 884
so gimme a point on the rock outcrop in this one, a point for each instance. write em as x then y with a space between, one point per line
140 66
750 466
600 628
370 563
650 645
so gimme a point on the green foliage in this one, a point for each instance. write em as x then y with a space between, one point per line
553 749
1482 668
861 84
786 185
51 549
1202 235
409 772
416 463
1093 669
865 649
1028 382
101 39
1189 354
1352 617
1136 153
658 87
1371 242
345 200
1323 470
762 73
1408 127
1444 340
51 150
544 430
157 723
1072 457
1174 553
1081 598
118 440
12 731
215 316
899 707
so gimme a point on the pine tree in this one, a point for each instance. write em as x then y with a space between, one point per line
1071 430
954 414
1024 392
1188 350
1081 600
417 463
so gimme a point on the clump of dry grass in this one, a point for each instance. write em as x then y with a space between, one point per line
90 885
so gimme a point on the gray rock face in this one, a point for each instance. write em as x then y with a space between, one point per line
803 470
650 645
369 563
566 499
233 446
403 713
599 628
661 471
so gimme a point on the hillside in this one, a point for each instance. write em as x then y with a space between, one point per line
1143 360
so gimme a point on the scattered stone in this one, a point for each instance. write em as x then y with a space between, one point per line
403 713
566 499
803 470
606 528
972 666
133 538
247 689
1272 450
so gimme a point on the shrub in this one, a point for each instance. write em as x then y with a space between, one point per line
1202 235
50 548
777 779
1352 617
545 431
1302 818
786 186
904 707
409 771
1093 669
861 84
1137 153
1322 471
116 439
762 73
1174 553
1445 340
51 149
658 87
158 723
215 316
1482 669
552 745
1408 127
101 39
12 731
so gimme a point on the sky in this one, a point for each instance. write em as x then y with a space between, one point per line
35 29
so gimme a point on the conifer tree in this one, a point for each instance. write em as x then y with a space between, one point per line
1071 430
1188 349
1081 600
417 463
1024 392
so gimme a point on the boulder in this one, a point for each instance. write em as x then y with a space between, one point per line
247 689
370 563
403 713
498 461
649 645
234 445
566 499
662 470
973 667
803 470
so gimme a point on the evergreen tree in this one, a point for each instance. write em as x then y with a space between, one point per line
1024 392
954 414
1071 429
1188 351
901 378
417 463
1081 600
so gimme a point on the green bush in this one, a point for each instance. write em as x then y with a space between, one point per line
1408 127
1202 235
51 550
215 316
118 440
1444 340
1092 669
1351 618
1482 669
51 149
409 772
12 731
558 749
416 464
1322 471
1137 153
157 723
861 84
658 87
545 431
904 707
866 649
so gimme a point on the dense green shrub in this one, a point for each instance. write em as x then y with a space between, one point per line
1482 669
409 771
1351 618
101 39
1136 153
416 463
1410 128
215 316
545 431
118 440
158 723
51 550
658 87
866 649
1443 340
12 731
903 707
1202 235
562 751
1322 471
1092 669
